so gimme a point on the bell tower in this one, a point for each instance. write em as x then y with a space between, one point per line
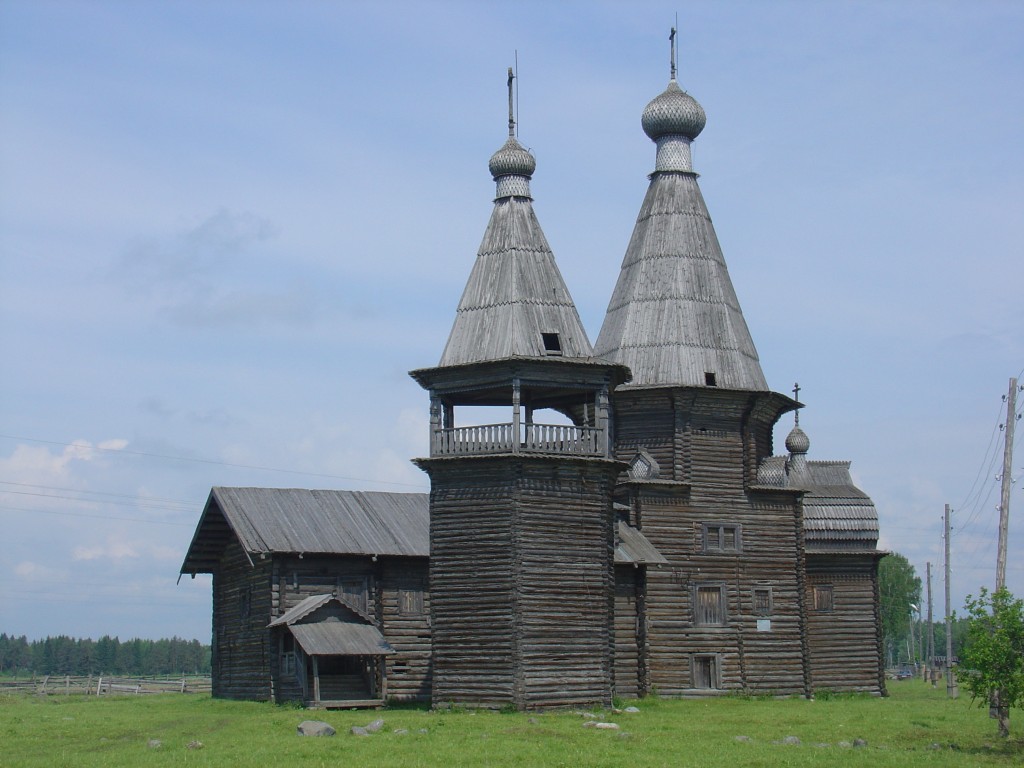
521 519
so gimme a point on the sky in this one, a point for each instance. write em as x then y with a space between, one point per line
228 230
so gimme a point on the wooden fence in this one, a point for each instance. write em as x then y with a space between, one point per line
104 685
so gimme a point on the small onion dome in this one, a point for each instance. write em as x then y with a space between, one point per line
673 112
512 160
797 441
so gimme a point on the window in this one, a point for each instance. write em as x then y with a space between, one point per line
410 601
722 537
709 605
245 602
704 671
287 654
762 601
552 344
709 379
353 592
823 597
643 466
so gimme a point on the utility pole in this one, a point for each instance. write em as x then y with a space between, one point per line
950 685
1004 499
930 653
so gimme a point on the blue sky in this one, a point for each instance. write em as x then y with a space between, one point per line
228 230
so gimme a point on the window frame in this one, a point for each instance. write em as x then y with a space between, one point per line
720 529
769 610
823 606
714 671
723 604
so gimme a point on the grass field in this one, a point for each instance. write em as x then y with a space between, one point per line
916 725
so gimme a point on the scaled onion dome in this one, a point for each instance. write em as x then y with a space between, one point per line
512 160
797 441
674 112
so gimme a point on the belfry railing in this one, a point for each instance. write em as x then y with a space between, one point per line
502 438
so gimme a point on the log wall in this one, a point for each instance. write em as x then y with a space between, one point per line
707 443
522 580
241 652
845 646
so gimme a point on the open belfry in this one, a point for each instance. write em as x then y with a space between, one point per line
602 521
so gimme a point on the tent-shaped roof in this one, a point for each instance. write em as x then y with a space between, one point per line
674 318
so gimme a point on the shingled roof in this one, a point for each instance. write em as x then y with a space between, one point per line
838 516
674 318
516 303
294 520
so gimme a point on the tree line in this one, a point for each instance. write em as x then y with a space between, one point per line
64 655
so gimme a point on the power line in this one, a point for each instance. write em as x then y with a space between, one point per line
188 504
122 451
99 517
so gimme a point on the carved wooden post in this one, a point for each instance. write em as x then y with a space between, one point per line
515 416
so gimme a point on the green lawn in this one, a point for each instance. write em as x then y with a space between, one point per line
917 725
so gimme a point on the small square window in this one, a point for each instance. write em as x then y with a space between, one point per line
709 379
721 537
823 598
762 601
552 344
410 602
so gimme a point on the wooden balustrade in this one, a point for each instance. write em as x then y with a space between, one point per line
532 438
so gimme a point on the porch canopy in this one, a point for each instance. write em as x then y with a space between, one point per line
340 638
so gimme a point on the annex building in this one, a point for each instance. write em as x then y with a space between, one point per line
619 525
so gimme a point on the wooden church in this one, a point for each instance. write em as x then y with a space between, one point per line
617 526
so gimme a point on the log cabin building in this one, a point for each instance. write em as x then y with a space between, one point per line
615 525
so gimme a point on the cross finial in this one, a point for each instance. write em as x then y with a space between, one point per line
672 55
796 396
511 116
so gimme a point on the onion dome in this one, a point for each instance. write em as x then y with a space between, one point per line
674 112
797 441
512 166
513 159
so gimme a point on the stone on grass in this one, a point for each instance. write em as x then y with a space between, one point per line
607 726
400 731
793 741
154 744
375 726
631 710
194 744
742 738
314 728
859 743
358 730
844 744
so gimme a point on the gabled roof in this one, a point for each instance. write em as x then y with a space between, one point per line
332 635
632 547
311 604
292 520
339 638
515 293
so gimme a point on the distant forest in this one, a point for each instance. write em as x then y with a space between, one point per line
107 656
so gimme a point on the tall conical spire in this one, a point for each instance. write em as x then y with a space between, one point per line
515 303
674 318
